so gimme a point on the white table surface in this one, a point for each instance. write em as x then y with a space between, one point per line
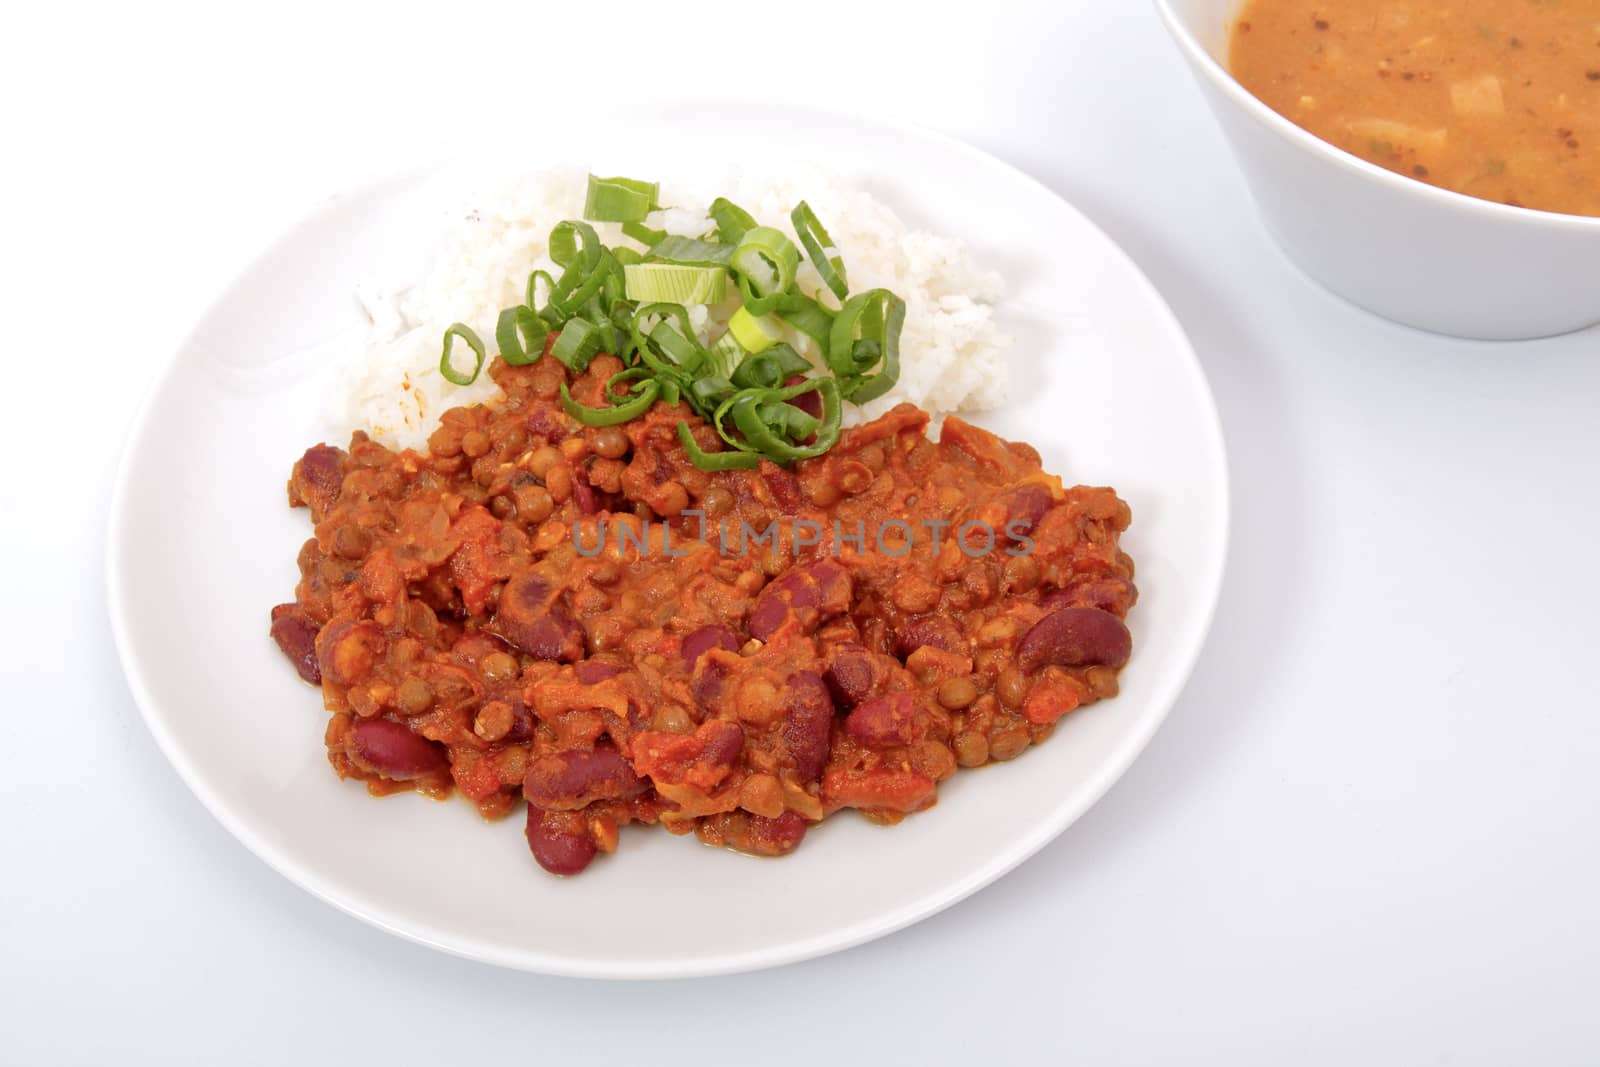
1368 833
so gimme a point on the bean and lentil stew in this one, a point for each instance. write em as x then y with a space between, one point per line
1498 99
539 610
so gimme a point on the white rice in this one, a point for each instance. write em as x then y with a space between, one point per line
952 352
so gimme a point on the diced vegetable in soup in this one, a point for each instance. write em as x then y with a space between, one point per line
1498 99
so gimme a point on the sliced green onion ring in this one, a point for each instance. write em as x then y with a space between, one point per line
642 398
876 317
707 392
620 199
811 319
733 221
630 374
796 424
820 249
645 235
669 346
746 413
769 369
675 283
691 252
767 260
532 297
755 333
683 350
575 244
579 283
520 334
577 344
474 342
726 354
714 461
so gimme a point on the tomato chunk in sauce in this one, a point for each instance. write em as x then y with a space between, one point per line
534 611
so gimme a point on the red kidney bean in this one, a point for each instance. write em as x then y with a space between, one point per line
785 486
710 678
296 636
701 759
808 720
558 845
595 671
1075 637
521 719
808 594
884 722
853 673
776 837
394 751
699 642
532 617
583 493
1115 595
935 630
317 478
574 778
1025 505
557 636
724 741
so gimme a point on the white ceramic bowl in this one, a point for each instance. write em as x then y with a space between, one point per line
1408 251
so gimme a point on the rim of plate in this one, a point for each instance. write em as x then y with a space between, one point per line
1045 829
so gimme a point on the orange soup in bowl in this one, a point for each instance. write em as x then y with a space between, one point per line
1498 99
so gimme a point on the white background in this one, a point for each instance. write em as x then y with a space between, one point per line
1366 834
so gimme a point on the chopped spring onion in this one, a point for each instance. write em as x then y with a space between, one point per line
635 305
642 398
675 249
770 369
865 332
675 283
733 221
577 344
811 319
578 285
620 199
575 244
755 333
630 374
728 350
520 334
669 347
643 234
767 260
447 370
773 441
714 461
710 391
532 297
796 423
820 249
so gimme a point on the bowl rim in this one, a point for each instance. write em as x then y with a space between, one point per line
1201 59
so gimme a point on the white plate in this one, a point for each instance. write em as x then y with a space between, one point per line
202 544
